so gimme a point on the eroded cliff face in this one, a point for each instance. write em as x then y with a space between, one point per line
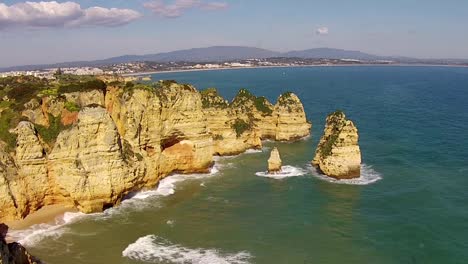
338 154
247 120
128 138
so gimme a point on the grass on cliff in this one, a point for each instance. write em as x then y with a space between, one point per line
261 103
211 99
82 86
326 149
9 119
240 126
72 107
244 96
334 117
50 134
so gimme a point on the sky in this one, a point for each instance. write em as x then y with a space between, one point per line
35 32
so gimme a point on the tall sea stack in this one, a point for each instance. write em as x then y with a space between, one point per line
338 154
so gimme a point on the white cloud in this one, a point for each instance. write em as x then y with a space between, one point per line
53 14
178 7
321 31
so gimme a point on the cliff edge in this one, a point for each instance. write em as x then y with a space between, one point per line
87 143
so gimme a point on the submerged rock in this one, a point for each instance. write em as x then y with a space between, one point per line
338 154
14 253
274 162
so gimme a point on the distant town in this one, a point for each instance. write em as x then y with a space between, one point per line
141 68
136 68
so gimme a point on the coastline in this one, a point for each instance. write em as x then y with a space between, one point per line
47 214
293 66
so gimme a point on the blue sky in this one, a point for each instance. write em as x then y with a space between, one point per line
32 33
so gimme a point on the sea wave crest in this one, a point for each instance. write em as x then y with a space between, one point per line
38 232
155 249
286 171
368 176
138 201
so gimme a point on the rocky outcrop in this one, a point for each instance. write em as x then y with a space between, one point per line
274 162
92 148
338 154
8 175
247 120
31 186
87 163
290 119
230 126
14 253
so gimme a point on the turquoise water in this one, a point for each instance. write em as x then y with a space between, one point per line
413 124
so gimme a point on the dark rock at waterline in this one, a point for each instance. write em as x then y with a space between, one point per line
14 253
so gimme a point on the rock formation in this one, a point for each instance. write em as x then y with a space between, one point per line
338 154
89 149
13 253
248 119
274 162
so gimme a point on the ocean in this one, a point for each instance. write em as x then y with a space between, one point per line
410 206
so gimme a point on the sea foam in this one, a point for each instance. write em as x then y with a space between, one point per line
155 249
36 233
138 201
368 176
286 171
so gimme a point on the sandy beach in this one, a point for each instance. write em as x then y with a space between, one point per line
46 214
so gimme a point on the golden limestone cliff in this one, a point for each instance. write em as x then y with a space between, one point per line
248 120
338 154
90 149
274 162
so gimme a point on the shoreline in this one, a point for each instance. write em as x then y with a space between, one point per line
292 66
45 215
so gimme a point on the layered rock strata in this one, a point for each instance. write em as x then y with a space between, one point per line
338 154
248 120
91 149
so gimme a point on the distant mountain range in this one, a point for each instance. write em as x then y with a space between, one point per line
226 53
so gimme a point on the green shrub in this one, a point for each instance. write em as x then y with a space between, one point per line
50 134
211 98
9 119
240 126
72 107
261 103
83 86
326 148
243 97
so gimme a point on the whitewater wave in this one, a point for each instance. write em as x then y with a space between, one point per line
137 201
368 176
36 233
167 185
286 171
155 249
253 151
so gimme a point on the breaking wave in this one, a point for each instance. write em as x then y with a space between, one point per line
368 176
137 201
155 249
36 233
286 171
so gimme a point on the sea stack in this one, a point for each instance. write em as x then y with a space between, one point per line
274 162
338 154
